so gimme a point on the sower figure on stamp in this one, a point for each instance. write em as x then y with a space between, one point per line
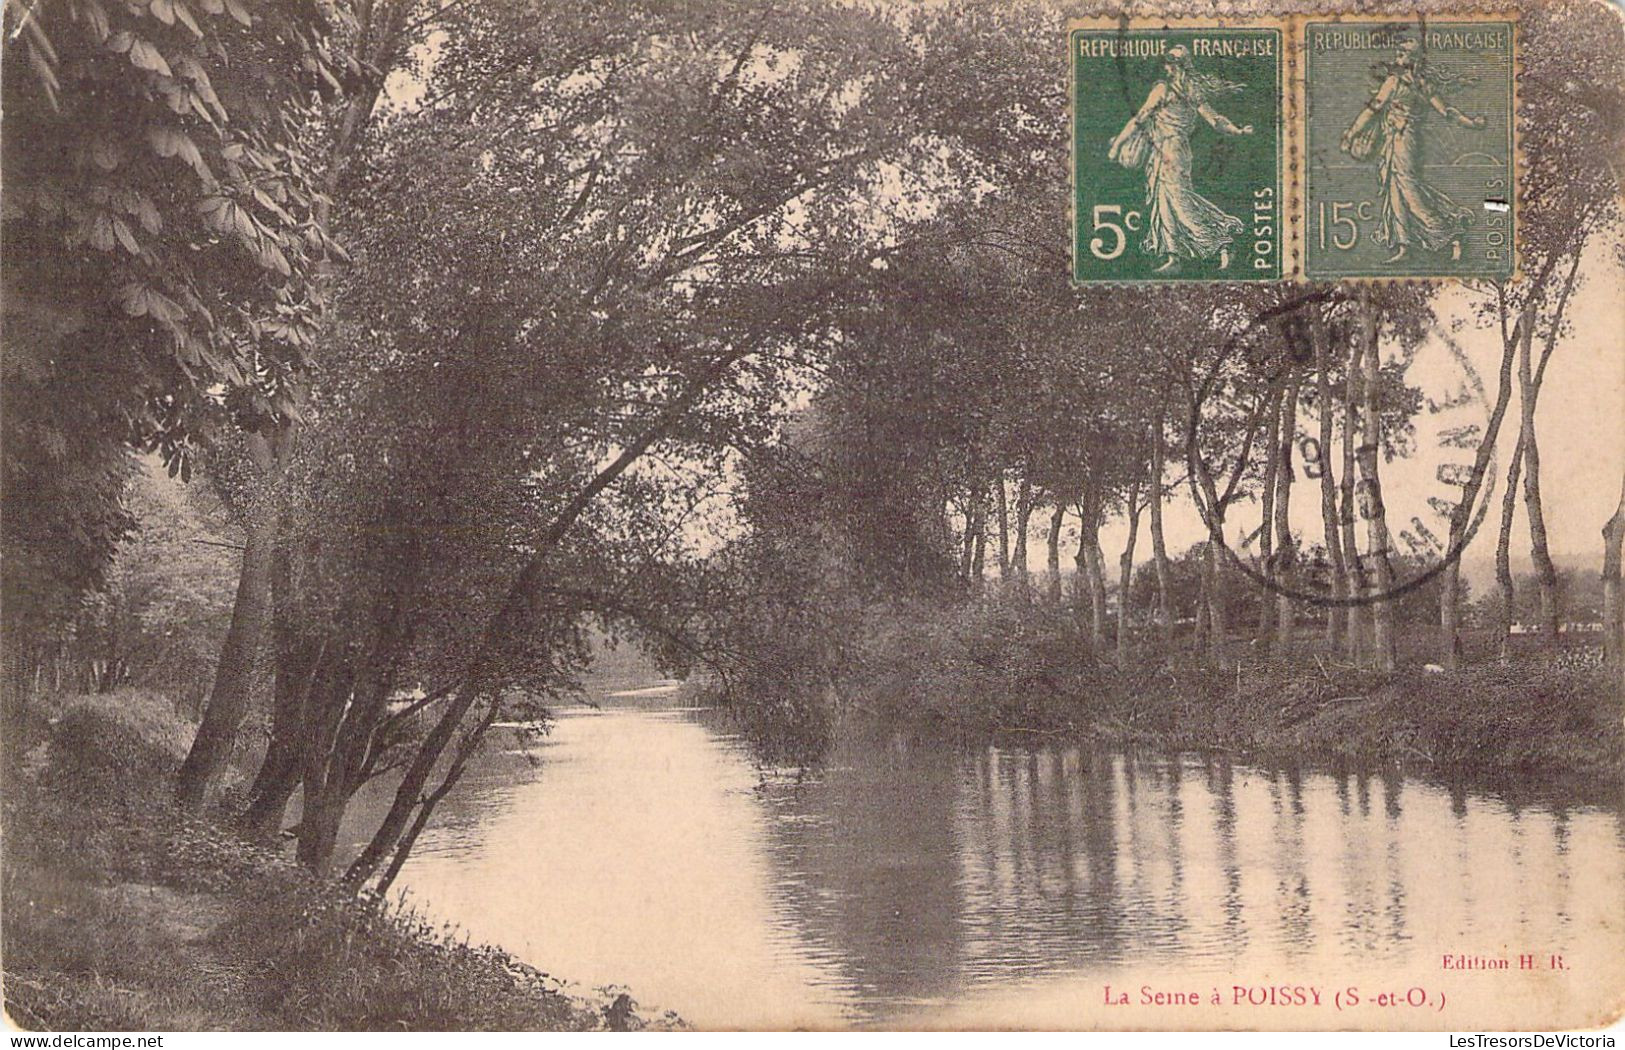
1413 212
1182 224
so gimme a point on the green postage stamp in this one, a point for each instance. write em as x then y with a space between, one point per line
1319 147
1177 150
1410 146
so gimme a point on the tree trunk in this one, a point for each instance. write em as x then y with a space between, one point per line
1083 584
1539 551
1159 545
1266 537
1613 616
1504 583
280 772
298 661
1094 565
1449 615
978 558
324 796
234 676
1055 522
1205 493
1336 615
1354 582
1024 514
1097 591
1204 626
1125 573
1215 603
1382 609
1286 553
1004 526
967 544
1266 530
319 827
273 789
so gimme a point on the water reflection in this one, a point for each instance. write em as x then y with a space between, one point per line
909 883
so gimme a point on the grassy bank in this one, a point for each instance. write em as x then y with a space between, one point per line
995 670
121 915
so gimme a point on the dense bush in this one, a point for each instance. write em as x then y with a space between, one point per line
120 747
343 964
1515 717
1007 663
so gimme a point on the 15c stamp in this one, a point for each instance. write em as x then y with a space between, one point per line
1409 146
1177 151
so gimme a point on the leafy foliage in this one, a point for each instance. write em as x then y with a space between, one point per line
160 619
653 222
161 157
162 251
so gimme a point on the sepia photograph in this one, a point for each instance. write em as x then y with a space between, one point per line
812 515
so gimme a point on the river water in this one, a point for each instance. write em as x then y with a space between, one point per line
908 884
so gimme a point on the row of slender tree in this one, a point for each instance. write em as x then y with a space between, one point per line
1030 409
1326 365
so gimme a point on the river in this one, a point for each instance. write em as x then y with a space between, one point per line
908 884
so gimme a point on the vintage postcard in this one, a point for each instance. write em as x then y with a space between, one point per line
831 515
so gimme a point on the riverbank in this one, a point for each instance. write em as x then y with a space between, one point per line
1486 722
122 915
1012 672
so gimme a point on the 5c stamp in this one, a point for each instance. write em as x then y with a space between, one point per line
1177 151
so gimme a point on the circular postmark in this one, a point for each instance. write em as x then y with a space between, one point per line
1425 415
